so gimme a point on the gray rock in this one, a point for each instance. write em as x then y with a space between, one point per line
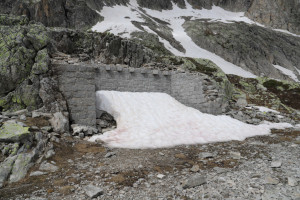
42 61
194 181
21 166
93 191
87 130
6 168
81 135
34 128
45 166
292 182
46 128
271 181
276 164
4 117
17 113
195 168
13 132
109 154
241 102
242 46
37 173
59 123
50 153
23 117
206 155
235 155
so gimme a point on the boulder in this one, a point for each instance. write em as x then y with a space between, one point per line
59 122
13 132
42 61
93 191
22 164
5 169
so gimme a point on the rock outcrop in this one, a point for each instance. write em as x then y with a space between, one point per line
280 14
251 47
82 14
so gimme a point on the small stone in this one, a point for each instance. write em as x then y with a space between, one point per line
50 153
81 135
109 154
34 128
292 182
195 168
48 167
160 153
206 155
160 176
194 181
272 181
241 102
235 155
35 114
276 164
37 173
23 117
93 191
46 128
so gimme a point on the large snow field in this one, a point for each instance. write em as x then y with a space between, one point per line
156 120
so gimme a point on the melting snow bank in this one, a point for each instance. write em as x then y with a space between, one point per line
155 120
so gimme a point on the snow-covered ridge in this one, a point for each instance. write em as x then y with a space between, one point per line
118 20
155 120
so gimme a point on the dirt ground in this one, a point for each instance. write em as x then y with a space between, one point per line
78 161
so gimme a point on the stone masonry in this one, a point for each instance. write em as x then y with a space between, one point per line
79 83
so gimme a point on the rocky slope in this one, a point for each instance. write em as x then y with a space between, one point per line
81 14
41 157
252 47
145 26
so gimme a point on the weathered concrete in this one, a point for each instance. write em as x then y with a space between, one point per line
78 83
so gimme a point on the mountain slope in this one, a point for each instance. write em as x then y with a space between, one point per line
226 31
234 42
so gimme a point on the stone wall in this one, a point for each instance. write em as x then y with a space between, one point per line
132 79
78 83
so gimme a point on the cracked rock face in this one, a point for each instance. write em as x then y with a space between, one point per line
82 14
253 48
279 14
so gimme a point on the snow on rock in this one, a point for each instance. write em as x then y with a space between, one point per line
265 109
155 120
119 23
118 20
287 72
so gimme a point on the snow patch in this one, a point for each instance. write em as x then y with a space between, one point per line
287 72
265 109
286 31
118 20
155 120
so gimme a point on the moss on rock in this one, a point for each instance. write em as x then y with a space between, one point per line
13 132
9 20
38 36
42 61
